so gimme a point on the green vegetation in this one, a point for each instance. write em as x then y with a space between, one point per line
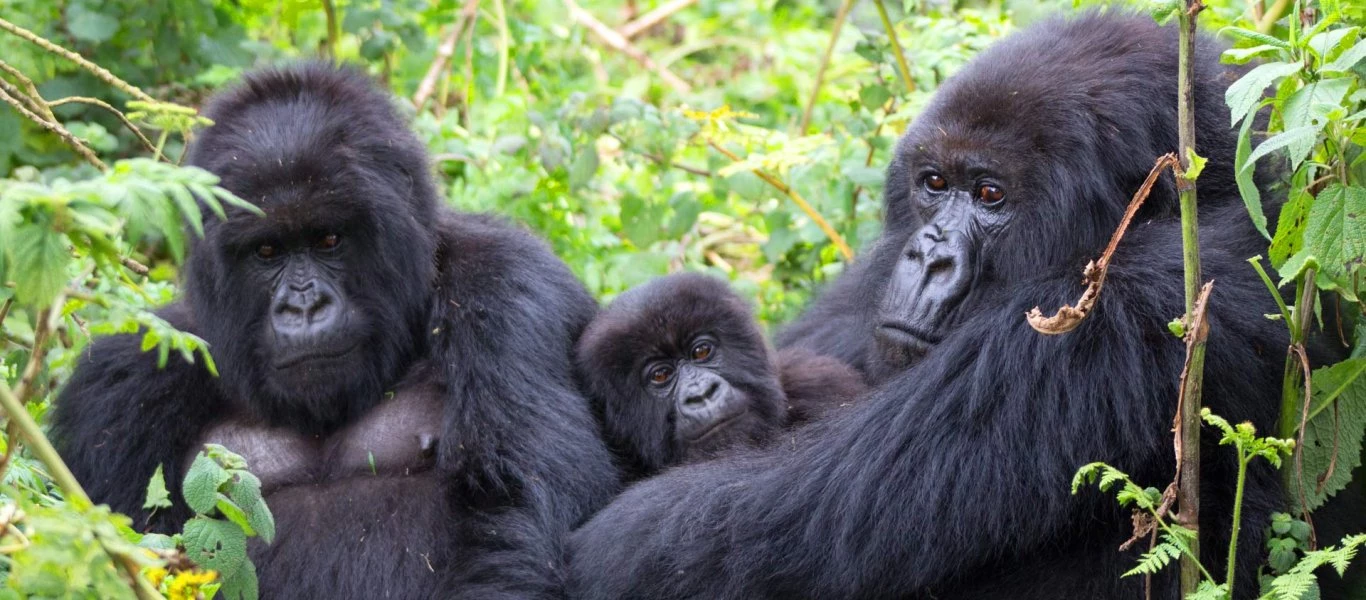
743 138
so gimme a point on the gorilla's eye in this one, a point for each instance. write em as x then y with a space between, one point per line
935 182
328 241
701 351
661 374
265 251
990 194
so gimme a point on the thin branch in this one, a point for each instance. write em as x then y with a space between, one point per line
71 140
504 47
1093 276
444 52
649 20
98 71
901 65
840 15
614 41
1268 19
135 266
806 207
1298 350
105 105
333 28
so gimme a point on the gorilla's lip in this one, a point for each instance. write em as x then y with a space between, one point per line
718 425
328 354
907 336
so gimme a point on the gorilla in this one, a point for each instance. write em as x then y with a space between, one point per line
677 371
357 283
951 478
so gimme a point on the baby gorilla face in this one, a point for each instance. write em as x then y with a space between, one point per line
678 371
708 414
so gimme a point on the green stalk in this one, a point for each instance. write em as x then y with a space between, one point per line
901 64
1188 493
1243 459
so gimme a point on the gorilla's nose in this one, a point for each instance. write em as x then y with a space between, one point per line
698 398
304 310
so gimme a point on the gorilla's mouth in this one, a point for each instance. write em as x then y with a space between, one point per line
715 427
906 338
311 355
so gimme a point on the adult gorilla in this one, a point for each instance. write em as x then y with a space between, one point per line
465 483
950 479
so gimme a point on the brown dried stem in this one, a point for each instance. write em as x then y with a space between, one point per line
105 105
649 20
1093 276
835 29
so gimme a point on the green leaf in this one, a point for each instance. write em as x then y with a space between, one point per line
245 491
640 220
200 487
242 585
874 96
1242 97
1245 176
1323 44
215 544
868 177
157 495
1255 37
1348 59
1284 139
1239 56
234 514
1310 106
1336 232
583 168
1344 384
1290 226
90 26
1196 162
37 263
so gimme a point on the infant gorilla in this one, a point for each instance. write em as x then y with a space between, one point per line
398 437
678 371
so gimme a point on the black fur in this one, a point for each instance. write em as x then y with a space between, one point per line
951 479
520 462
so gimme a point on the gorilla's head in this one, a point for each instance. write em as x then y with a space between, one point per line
980 200
678 371
313 310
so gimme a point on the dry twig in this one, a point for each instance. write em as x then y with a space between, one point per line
616 42
1093 276
649 20
444 52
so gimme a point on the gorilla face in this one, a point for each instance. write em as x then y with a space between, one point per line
327 296
678 372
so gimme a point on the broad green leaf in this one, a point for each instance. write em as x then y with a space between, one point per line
1290 227
1345 384
1245 93
1348 59
215 544
1309 107
90 26
1239 56
583 168
200 487
38 258
242 585
245 491
234 514
1323 44
1336 232
874 96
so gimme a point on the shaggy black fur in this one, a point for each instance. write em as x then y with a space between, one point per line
951 478
313 312
678 371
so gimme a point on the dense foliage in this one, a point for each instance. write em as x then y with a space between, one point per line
749 142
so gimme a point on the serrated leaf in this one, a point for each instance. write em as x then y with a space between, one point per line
1290 227
1344 384
234 514
1245 93
1322 44
157 494
1239 56
1255 36
245 491
215 544
37 263
1348 59
242 585
1336 232
200 487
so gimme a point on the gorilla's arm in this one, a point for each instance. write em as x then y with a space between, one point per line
961 462
816 384
520 445
120 416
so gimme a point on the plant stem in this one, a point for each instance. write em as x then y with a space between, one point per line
901 64
333 30
1188 492
840 16
504 46
1243 459
96 70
